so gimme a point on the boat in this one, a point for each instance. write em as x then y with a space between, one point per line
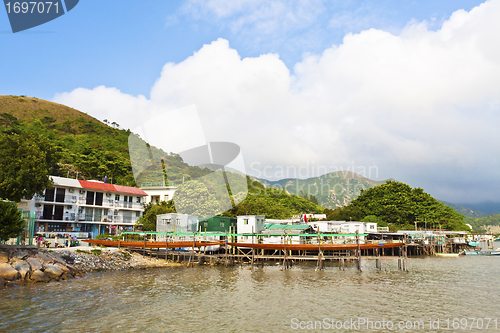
447 254
482 253
473 243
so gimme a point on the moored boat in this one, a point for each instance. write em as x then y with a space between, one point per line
447 254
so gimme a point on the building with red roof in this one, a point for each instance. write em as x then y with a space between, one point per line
86 208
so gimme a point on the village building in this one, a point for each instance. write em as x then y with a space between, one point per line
247 224
85 208
158 192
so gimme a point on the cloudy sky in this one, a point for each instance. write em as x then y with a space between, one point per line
408 90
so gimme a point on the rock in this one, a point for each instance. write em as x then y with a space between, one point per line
63 268
52 271
4 257
2 283
66 276
39 276
34 263
8 272
22 267
44 258
21 255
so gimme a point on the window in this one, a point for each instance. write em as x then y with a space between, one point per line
117 197
49 195
222 225
56 227
245 221
138 199
98 198
90 198
137 214
205 224
60 195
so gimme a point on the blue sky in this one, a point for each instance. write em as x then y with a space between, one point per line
405 87
125 45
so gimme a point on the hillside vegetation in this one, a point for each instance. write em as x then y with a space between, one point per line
485 224
398 205
332 190
91 149
88 148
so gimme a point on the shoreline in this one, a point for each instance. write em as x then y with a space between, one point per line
23 266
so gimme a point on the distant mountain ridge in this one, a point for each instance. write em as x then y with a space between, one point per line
332 190
466 211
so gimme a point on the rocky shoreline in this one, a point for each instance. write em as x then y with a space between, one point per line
26 266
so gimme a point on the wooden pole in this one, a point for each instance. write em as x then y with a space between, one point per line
318 265
253 250
166 245
284 244
226 249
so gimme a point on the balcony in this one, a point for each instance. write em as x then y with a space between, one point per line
107 219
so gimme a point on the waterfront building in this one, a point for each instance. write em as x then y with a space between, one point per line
158 192
218 223
247 224
85 208
174 222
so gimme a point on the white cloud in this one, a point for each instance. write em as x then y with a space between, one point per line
421 106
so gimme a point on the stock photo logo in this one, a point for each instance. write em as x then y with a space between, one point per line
25 15
176 135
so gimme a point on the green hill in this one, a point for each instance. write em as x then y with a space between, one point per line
331 190
89 148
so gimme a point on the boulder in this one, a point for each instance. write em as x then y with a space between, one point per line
22 267
34 263
8 272
44 258
39 276
4 257
63 268
74 270
52 271
21 255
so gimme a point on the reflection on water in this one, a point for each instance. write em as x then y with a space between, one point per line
236 299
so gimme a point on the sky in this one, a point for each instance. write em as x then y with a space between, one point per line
407 90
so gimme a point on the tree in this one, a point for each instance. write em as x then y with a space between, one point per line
11 221
148 219
26 161
194 198
398 204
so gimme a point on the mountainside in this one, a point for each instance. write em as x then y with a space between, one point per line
89 149
490 223
331 190
467 212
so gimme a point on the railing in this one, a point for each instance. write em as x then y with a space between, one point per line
107 218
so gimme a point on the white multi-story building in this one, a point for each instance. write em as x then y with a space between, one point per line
247 224
158 192
73 205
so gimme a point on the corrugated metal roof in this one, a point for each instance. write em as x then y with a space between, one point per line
272 226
